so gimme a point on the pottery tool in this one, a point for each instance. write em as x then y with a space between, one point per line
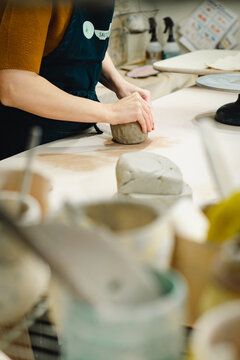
72 213
34 140
96 269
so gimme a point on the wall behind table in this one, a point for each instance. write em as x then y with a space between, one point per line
178 10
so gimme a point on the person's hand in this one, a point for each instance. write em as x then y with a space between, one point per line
126 89
134 103
131 108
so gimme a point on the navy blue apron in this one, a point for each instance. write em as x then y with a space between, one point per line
74 66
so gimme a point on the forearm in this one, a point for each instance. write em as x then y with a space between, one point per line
32 93
110 77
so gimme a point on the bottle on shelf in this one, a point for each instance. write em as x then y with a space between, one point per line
154 49
171 48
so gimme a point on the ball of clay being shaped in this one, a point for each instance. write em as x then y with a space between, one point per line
148 173
128 134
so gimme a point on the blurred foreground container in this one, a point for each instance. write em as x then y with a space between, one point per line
11 180
216 334
224 284
149 331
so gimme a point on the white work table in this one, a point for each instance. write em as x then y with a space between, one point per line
83 168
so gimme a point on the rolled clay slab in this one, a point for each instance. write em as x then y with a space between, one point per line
128 134
148 173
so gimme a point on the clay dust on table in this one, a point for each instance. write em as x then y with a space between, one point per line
74 162
100 158
149 144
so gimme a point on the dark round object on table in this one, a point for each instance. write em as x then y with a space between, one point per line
229 114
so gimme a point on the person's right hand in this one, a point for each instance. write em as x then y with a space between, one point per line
130 109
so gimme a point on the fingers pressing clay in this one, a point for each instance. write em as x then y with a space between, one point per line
134 120
148 116
133 108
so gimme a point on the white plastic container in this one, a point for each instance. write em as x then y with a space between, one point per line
153 49
170 49
153 52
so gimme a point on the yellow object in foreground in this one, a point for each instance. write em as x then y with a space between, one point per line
224 219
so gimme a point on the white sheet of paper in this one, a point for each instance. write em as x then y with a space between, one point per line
227 63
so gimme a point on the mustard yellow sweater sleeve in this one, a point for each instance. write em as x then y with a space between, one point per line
23 33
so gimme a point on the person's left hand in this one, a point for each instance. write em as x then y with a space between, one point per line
127 88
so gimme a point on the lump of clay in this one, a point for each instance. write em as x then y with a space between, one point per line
128 134
148 173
